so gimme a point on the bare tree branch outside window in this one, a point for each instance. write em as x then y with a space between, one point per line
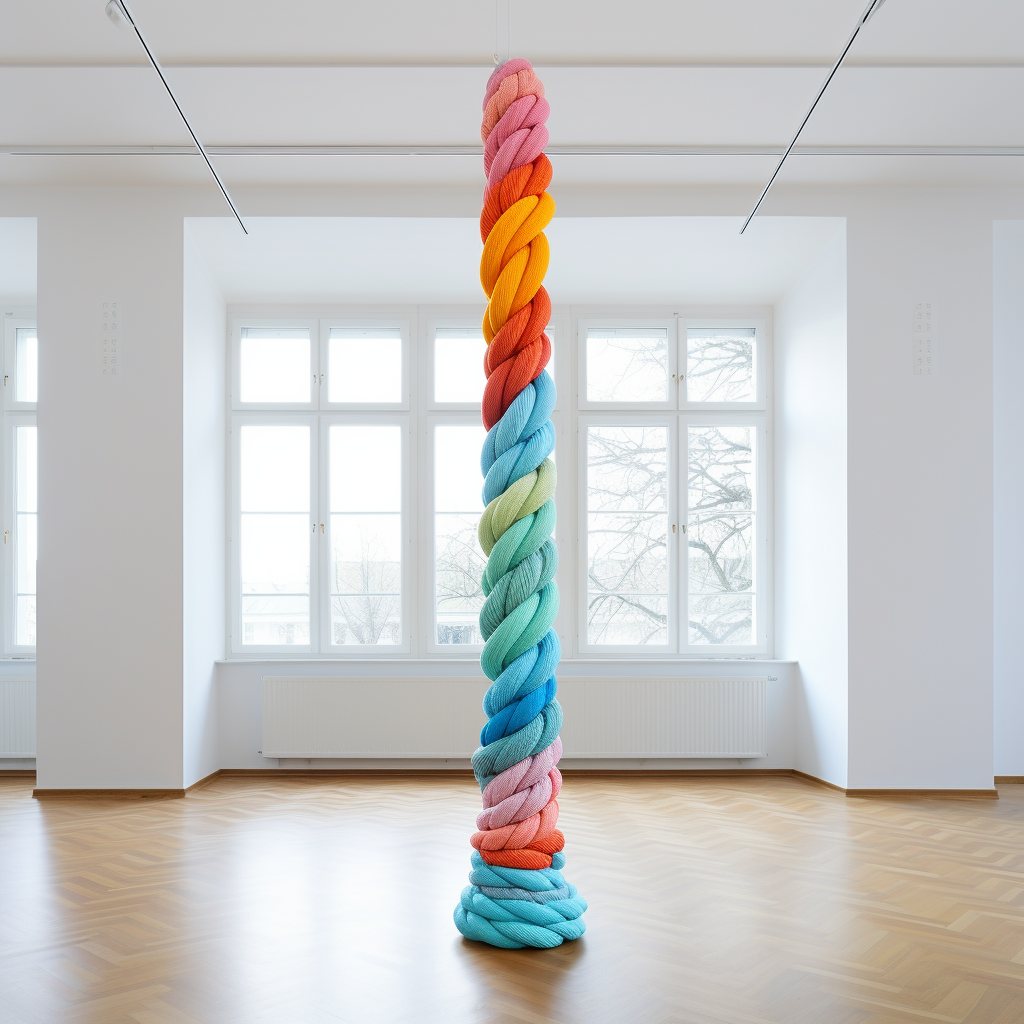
720 536
627 511
720 365
365 595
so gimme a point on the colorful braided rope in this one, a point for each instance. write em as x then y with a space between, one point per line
517 896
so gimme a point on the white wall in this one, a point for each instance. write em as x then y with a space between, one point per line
109 665
112 535
240 691
920 494
810 506
205 390
1008 475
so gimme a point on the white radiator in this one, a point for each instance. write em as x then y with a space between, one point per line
17 718
632 717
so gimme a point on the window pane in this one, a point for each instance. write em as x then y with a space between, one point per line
458 560
26 365
366 554
627 535
720 365
627 619
270 620
721 468
26 464
27 547
365 364
627 365
721 535
459 365
366 468
721 549
275 364
627 552
626 469
25 536
275 534
458 483
366 533
722 620
275 553
366 619
275 468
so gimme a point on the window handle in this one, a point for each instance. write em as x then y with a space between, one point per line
7 534
321 527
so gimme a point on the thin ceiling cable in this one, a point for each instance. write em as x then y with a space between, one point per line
863 20
120 7
502 47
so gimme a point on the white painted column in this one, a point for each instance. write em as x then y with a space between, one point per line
920 494
110 494
811 579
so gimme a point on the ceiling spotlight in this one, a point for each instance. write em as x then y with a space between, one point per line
116 14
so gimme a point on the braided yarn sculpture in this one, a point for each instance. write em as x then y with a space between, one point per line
517 896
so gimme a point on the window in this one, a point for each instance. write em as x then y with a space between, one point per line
357 488
627 502
320 453
21 385
458 559
275 533
672 484
365 469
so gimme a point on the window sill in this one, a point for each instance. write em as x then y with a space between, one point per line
17 666
617 660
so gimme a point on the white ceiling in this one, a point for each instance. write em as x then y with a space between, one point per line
724 75
17 261
463 31
435 260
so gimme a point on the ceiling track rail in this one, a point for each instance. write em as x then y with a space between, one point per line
862 63
475 151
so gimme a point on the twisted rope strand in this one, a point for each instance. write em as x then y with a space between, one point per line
517 896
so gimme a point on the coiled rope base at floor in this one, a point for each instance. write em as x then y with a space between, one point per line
517 895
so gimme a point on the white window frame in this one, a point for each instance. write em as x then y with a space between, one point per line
421 415
437 413
15 414
680 413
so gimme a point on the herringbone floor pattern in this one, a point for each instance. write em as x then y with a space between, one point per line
297 901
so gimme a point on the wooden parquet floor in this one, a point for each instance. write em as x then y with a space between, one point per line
713 901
